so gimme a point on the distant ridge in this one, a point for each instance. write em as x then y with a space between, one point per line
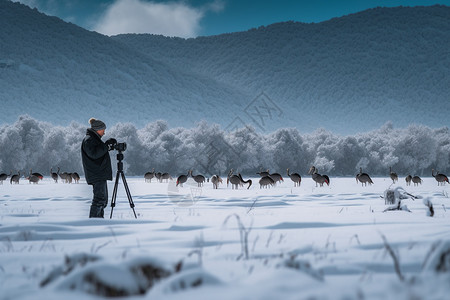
348 74
59 72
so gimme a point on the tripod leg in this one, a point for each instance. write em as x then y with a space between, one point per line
114 195
130 200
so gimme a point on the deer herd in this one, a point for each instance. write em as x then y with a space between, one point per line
266 180
35 177
365 179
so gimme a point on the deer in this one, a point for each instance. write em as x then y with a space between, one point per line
319 179
216 180
364 178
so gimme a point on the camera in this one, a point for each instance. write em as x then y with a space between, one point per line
120 147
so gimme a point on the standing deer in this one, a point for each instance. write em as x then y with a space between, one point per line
295 177
158 176
54 175
319 179
393 175
63 176
408 179
440 178
75 177
216 180
166 177
234 179
364 178
199 179
68 177
149 176
15 178
4 176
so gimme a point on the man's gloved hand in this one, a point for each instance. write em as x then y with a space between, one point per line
110 143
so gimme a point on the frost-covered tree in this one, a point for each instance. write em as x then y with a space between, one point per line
416 150
206 148
247 151
288 151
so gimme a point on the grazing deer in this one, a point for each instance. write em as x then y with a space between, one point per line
266 182
245 181
183 178
416 179
276 177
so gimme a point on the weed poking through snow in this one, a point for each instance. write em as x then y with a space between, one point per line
429 204
394 258
243 232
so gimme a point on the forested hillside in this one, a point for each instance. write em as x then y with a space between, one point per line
356 71
346 75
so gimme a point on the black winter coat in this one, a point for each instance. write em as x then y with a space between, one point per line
95 156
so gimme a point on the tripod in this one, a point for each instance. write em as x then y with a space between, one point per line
116 183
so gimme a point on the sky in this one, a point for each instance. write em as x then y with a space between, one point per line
192 18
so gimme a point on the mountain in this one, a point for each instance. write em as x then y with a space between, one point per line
347 75
59 72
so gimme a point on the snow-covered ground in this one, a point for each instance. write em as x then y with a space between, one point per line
307 242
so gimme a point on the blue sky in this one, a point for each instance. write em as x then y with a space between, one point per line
191 18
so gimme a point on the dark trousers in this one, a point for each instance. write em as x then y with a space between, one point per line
100 200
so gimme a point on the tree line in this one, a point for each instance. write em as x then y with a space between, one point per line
208 149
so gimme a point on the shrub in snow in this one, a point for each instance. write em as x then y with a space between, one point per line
395 196
189 279
439 260
102 278
302 265
70 263
429 204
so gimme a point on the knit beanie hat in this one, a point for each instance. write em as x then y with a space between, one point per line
96 124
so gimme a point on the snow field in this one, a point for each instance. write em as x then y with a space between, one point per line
242 244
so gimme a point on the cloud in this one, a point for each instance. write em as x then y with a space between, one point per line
138 16
215 6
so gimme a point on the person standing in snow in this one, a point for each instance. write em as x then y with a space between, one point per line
97 165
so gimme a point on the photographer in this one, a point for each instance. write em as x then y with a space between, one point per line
97 165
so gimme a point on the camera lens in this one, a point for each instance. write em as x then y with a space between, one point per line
121 146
